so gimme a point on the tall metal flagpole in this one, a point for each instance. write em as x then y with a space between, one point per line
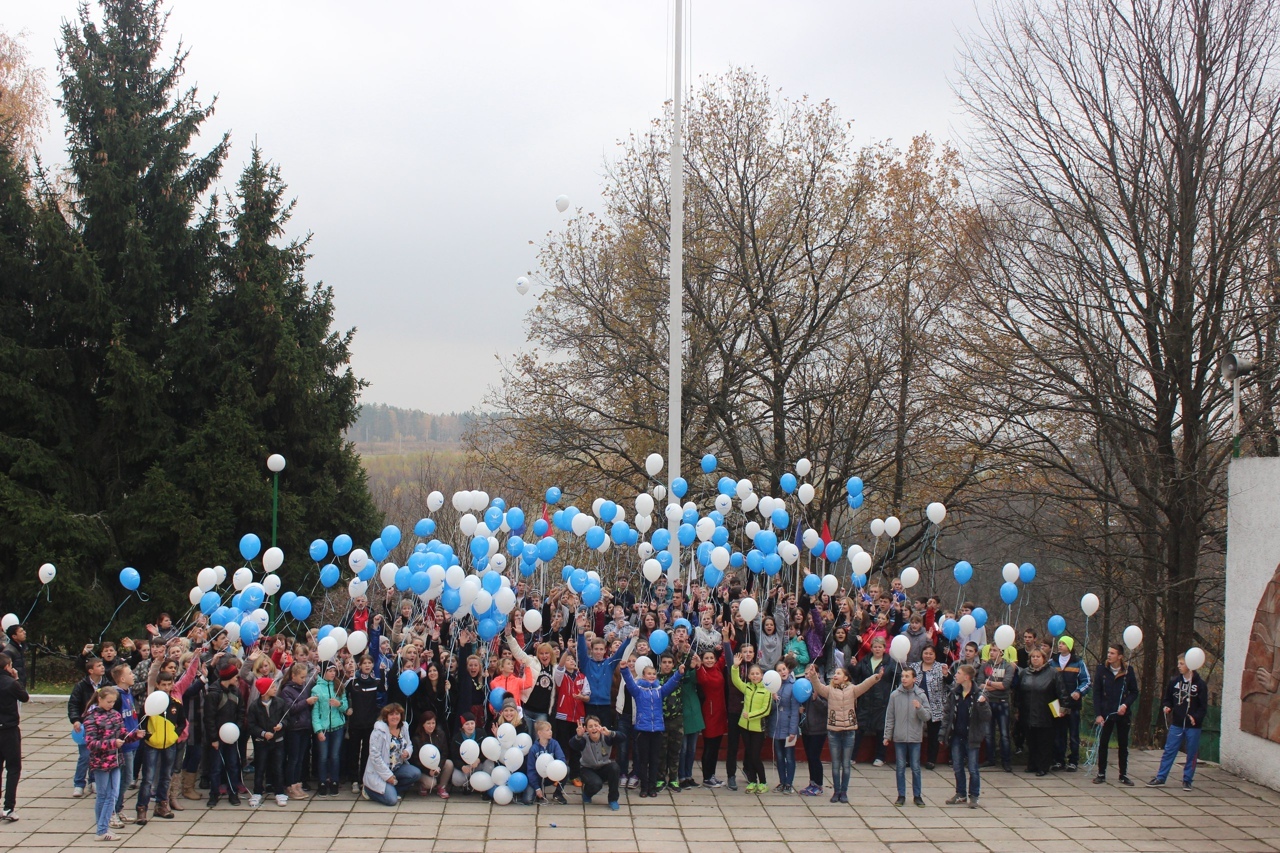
675 327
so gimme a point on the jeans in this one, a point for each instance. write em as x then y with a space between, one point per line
904 754
687 755
81 779
268 765
596 778
648 756
11 763
784 758
297 746
626 745
224 767
813 752
108 784
1180 736
406 776
1119 725
1000 726
126 776
841 745
1067 746
329 755
157 770
961 753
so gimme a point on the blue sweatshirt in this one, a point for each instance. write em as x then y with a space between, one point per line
600 674
648 696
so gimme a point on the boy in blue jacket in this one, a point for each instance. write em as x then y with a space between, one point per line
544 744
598 670
1073 684
648 695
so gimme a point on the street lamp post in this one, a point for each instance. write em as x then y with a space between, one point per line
675 318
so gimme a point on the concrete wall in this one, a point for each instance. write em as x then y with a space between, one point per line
1253 554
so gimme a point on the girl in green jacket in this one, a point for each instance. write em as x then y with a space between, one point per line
757 702
328 721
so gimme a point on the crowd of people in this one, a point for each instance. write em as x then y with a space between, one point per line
631 694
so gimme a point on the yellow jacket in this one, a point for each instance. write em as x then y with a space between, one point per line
757 701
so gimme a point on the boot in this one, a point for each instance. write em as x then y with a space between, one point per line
162 810
174 805
296 792
232 796
213 796
189 785
142 816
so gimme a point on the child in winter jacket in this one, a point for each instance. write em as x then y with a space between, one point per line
757 702
297 699
104 736
329 721
266 726
222 706
841 696
572 692
904 726
648 695
544 744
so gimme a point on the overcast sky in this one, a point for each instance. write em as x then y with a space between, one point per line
426 142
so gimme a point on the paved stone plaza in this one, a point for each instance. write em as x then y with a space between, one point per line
1019 813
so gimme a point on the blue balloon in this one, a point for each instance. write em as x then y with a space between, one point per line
527 569
736 559
252 597
781 518
424 528
578 580
210 602
591 594
720 536
963 572
390 537
658 641
708 464
726 486
608 510
487 629
704 553
491 582
855 501
496 695
286 600
950 629
767 542
1009 592
1057 625
859 580
325 630
802 690
450 599
250 545
565 571
595 537
341 545
129 578
812 583
235 600
378 550
479 547
553 495
755 560
1026 572
219 617
788 482
557 519
979 616
329 575
834 551
548 547
679 487
711 577
854 486
689 516
661 539
530 553
664 559
404 578
319 549
515 518
540 528
517 782
686 534
499 503
300 609
249 632
772 564
420 548
419 582
417 561
620 532
493 518
716 516
408 682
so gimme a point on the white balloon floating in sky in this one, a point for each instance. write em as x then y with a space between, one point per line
522 285
1004 637
910 577
272 559
803 467
805 493
748 609
47 573
892 526
1132 637
936 512
562 203
877 527
1089 604
653 464
1010 574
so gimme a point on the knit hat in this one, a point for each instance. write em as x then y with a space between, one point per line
1071 644
263 684
228 671
509 702
468 717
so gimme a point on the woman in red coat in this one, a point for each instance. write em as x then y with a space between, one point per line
715 715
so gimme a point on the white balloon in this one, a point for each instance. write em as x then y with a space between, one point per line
673 512
620 515
582 523
1010 573
892 526
643 523
642 663
750 502
357 642
233 631
357 587
803 467
469 751
454 576
522 285
705 528
936 512
766 506
659 493
339 634
491 748
506 737
387 574
47 573
644 503
652 570
967 625
229 733
1004 636
482 602
562 203
327 648
468 524
595 506
260 616
207 579
8 621
480 501
805 493
724 504
789 552
195 595
1194 658
743 488
272 559
751 529
720 557
557 770
861 562
653 464
900 648
429 755
542 763
271 584
524 740
498 562
830 583
157 703
505 600
532 621
748 609
877 527
435 500
219 574
1132 637
1089 604
501 793
910 577
513 758
772 681
481 781
810 538
461 500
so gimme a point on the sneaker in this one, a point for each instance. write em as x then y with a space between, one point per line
1100 779
443 792
124 817
1126 781
93 788
790 789
586 800
1057 765
919 801
633 782
844 798
835 798
613 804
662 783
282 800
115 822
973 803
559 798
811 791
929 765
355 787
255 800
900 802
878 763
957 800
1072 767
687 784
713 782
9 816
77 792
778 788
133 786
364 793
1186 786
1017 751
1156 782
733 783
108 836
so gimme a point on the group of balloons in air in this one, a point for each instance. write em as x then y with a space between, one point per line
522 283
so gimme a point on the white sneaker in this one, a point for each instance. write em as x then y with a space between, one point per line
77 792
255 800
282 800
877 763
355 787
115 822
127 818
93 787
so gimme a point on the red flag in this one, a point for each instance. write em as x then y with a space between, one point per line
826 534
547 518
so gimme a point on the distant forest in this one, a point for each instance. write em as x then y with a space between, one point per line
389 429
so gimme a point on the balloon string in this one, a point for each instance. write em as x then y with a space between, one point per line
113 616
33 605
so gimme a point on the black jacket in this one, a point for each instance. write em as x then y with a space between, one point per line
1037 688
11 693
264 717
874 704
18 652
1187 699
80 697
362 696
979 715
1110 691
221 706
